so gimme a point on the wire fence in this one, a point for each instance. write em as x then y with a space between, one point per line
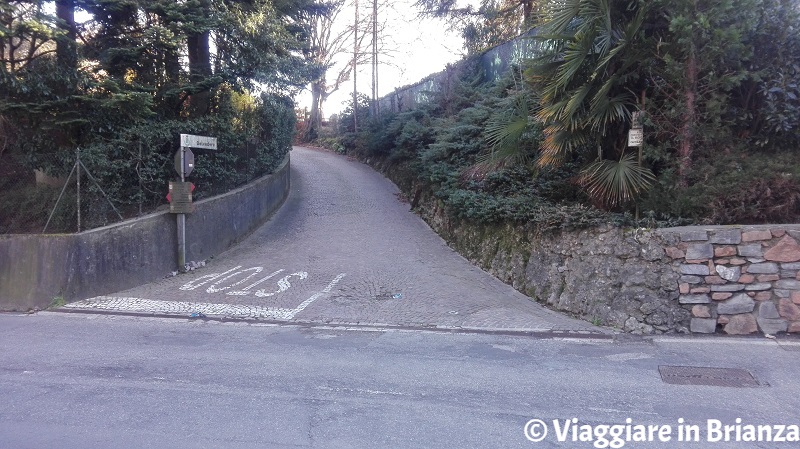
492 64
67 192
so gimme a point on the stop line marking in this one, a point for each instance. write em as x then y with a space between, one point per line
142 305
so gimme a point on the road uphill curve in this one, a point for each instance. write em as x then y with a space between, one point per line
343 249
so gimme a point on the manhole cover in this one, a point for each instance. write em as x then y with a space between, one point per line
698 375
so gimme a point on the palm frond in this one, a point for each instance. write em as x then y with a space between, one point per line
576 101
504 131
558 15
616 182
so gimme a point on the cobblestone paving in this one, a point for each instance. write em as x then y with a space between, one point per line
342 249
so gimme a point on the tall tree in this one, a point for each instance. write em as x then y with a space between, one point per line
706 51
491 23
25 34
136 54
197 42
66 46
199 55
261 43
332 37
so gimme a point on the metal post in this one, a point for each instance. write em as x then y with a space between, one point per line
376 106
138 173
78 168
641 147
355 70
182 224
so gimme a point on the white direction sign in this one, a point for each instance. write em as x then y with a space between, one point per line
192 141
635 137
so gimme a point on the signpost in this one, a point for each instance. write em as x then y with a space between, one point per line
180 193
636 133
184 162
192 141
637 119
180 197
635 137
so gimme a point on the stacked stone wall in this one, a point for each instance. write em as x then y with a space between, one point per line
739 280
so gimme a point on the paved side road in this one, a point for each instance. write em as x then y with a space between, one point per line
342 249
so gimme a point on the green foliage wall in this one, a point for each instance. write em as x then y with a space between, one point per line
474 147
442 148
125 84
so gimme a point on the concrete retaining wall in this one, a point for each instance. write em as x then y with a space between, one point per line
35 269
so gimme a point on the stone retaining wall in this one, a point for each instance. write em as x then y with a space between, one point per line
725 279
741 279
729 279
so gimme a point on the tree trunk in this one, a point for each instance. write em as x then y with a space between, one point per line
7 48
66 49
172 98
199 54
689 118
527 14
199 69
170 79
172 66
315 119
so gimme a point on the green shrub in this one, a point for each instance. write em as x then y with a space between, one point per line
734 187
443 146
132 160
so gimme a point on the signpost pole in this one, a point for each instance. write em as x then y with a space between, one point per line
182 222
181 193
78 169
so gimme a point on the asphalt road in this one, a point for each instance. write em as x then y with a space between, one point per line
95 381
344 248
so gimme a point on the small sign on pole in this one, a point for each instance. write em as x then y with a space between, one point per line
180 197
192 141
184 165
635 137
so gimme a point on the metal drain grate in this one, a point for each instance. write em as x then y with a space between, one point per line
699 375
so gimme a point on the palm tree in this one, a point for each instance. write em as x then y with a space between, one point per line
586 82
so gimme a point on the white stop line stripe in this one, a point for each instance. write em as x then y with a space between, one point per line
141 305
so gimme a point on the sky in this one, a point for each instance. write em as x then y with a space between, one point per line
415 48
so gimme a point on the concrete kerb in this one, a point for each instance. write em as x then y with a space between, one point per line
788 342
346 325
